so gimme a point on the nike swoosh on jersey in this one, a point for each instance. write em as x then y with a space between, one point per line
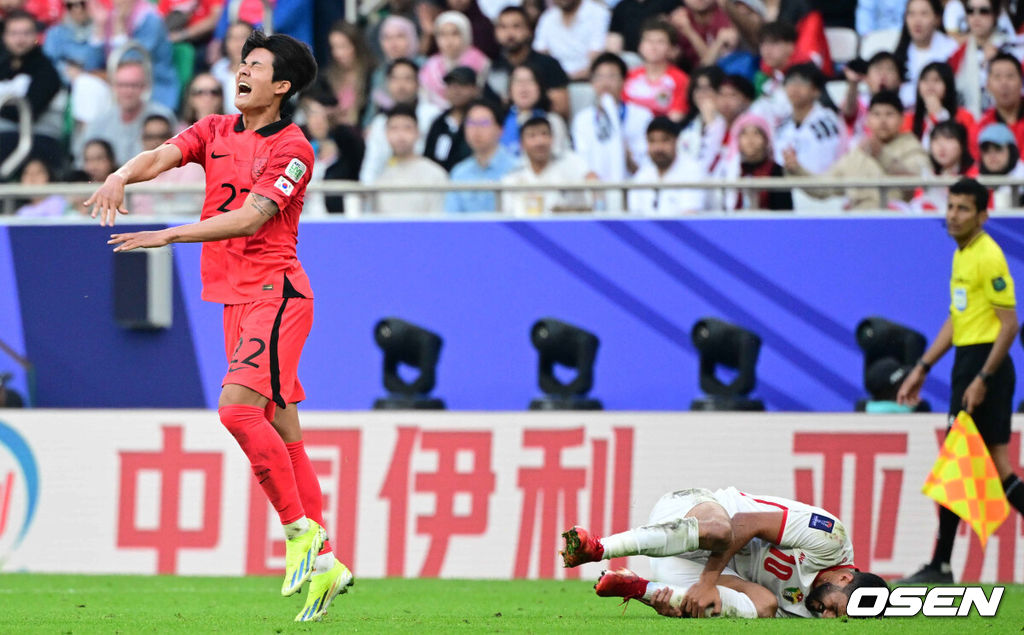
214 155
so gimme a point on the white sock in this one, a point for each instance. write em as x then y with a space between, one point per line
296 529
734 603
323 563
665 539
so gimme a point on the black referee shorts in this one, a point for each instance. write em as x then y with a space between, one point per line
993 415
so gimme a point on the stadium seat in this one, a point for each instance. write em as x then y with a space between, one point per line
842 44
581 95
876 41
836 90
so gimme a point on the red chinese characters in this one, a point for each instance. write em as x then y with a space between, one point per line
171 462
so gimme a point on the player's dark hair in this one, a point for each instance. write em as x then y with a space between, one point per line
534 122
609 58
887 98
864 579
293 61
404 61
1006 57
741 84
662 123
970 187
402 110
492 107
657 23
778 32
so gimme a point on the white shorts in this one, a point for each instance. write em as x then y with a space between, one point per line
682 570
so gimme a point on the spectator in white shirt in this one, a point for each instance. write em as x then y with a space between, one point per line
403 87
611 134
813 131
573 32
408 167
666 166
702 130
541 167
923 41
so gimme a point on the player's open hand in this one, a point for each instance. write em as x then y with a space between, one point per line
108 200
139 240
661 602
701 596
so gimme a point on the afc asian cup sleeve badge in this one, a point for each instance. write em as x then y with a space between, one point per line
960 298
295 170
258 165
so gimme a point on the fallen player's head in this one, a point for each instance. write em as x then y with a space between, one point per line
829 599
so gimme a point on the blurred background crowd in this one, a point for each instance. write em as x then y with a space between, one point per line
564 92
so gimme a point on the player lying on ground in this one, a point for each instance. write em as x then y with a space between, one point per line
731 554
257 168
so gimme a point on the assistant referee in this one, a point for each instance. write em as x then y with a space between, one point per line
982 325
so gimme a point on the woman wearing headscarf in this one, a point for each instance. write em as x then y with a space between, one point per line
398 39
455 48
750 155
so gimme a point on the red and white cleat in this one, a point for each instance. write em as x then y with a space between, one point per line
621 584
580 547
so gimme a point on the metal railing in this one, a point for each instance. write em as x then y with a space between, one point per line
24 145
364 192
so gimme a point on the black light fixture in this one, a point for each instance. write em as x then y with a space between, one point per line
405 343
561 343
890 352
724 344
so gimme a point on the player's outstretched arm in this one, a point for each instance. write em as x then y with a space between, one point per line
745 527
108 200
244 221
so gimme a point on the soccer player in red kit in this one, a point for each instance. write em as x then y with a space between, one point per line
257 167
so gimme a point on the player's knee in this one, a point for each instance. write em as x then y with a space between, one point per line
238 418
715 533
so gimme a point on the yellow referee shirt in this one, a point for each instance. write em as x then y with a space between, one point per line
980 283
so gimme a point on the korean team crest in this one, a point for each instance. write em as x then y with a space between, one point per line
258 165
793 595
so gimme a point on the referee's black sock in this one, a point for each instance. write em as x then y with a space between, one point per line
1014 489
948 524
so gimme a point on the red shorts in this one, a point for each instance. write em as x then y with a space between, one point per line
263 340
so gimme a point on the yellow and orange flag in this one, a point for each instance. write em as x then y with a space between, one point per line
964 480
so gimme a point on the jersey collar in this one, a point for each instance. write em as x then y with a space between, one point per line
267 130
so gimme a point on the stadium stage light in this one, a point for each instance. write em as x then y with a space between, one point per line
560 343
405 343
890 351
724 344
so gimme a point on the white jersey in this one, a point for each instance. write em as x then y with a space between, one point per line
818 140
810 541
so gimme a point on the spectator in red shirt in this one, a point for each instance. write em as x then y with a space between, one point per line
706 33
1005 80
191 21
658 85
937 102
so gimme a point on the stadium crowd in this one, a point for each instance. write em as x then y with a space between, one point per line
428 91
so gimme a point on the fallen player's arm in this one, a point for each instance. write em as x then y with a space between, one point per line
244 221
745 527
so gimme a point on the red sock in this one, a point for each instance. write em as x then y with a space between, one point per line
268 457
309 487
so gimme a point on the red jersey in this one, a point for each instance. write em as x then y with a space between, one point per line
663 96
275 161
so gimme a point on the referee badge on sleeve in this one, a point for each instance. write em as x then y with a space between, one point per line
998 283
284 185
960 298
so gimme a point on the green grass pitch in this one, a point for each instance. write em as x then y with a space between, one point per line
162 604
